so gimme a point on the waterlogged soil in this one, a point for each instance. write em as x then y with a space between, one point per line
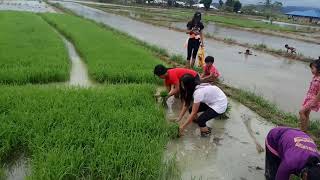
252 38
79 73
32 6
239 139
18 168
281 80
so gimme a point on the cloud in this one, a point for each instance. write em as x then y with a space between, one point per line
308 3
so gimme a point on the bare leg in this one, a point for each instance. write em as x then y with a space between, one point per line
192 63
304 120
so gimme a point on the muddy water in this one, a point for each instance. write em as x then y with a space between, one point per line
274 42
32 6
79 73
282 81
233 151
18 169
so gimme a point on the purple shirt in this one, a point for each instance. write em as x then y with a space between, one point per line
293 147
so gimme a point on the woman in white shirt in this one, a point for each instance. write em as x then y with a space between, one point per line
205 98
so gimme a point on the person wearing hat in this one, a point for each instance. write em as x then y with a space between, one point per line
291 151
196 38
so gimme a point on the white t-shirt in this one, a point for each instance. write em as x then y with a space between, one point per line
212 96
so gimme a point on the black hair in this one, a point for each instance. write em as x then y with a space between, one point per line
209 59
312 168
196 18
286 45
319 58
247 50
187 87
160 70
316 64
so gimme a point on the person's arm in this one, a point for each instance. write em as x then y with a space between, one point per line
174 89
195 108
210 76
283 172
183 111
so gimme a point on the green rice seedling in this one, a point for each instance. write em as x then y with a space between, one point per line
178 58
30 51
113 132
109 57
260 46
226 114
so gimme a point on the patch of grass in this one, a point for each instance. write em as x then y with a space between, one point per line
177 58
113 132
109 57
260 46
229 40
30 51
2 173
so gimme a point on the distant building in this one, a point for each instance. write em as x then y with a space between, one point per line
312 16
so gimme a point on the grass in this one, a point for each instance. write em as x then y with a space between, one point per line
109 56
117 132
30 51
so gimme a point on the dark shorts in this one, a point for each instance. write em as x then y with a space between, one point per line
208 113
193 47
272 165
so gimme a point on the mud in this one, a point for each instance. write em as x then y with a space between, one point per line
233 140
31 6
18 169
79 73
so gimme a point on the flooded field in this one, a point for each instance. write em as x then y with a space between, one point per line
243 37
239 139
32 6
282 81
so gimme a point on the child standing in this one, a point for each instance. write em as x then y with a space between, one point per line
210 72
312 100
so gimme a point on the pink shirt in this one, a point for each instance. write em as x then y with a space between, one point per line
207 70
312 93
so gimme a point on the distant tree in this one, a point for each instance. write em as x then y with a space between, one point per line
207 4
268 3
221 3
171 2
229 3
237 6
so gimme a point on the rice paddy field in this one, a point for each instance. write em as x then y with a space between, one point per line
114 132
110 131
109 56
30 51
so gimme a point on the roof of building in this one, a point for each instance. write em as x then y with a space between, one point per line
309 13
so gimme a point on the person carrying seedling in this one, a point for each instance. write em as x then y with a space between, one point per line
196 38
291 151
172 76
312 99
210 72
292 49
197 97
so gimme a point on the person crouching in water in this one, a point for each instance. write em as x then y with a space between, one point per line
172 76
312 99
210 72
205 98
291 151
292 49
196 38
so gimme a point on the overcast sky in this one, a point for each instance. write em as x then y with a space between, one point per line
308 3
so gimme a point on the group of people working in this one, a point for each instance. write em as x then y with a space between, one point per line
288 150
